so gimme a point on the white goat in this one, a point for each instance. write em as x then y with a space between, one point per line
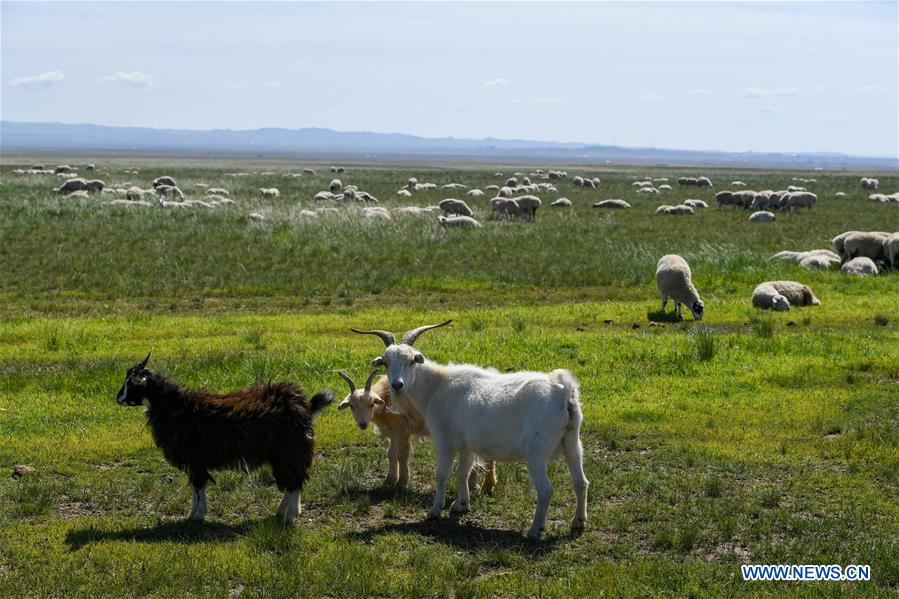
472 411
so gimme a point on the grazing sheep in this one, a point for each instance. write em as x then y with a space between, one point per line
612 203
744 198
762 216
675 280
90 167
688 181
473 411
837 243
651 190
891 249
164 181
404 193
869 184
199 431
309 172
504 192
839 194
505 207
511 182
218 191
861 266
336 186
704 182
595 181
664 209
798 199
453 206
725 198
664 187
561 203
134 193
737 184
681 209
464 222
793 188
528 205
62 168
71 185
324 196
475 193
782 295
169 190
868 243
695 204
493 188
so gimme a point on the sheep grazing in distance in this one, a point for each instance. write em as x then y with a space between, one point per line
664 209
269 192
336 186
463 222
695 204
861 266
505 207
169 190
218 191
473 411
256 216
324 196
782 295
90 167
737 184
891 249
665 187
675 281
704 182
793 188
95 185
455 186
164 181
475 193
762 216
511 182
308 172
561 203
869 184
528 205
453 206
504 192
61 169
839 194
199 431
837 243
867 244
71 185
798 199
688 181
680 209
725 198
614 203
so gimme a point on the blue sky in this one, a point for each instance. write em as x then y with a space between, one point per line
798 76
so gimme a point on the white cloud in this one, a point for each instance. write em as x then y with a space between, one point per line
760 92
135 78
272 84
700 92
771 109
37 81
650 97
497 83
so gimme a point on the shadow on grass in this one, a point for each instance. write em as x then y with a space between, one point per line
182 531
387 492
654 316
466 536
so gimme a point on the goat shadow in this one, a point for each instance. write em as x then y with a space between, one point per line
180 531
467 537
387 492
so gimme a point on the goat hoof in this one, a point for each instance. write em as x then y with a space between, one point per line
433 515
535 534
579 523
459 508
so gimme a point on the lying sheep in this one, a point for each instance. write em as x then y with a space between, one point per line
675 280
664 209
737 184
809 259
475 193
71 185
404 193
818 261
561 203
891 250
376 212
695 204
455 186
269 192
324 196
613 203
528 205
651 190
762 216
782 295
81 194
665 187
839 194
453 206
861 266
682 209
464 222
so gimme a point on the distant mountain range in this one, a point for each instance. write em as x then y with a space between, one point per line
50 137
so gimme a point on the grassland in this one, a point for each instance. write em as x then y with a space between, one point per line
747 438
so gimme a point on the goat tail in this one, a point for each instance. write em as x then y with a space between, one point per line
565 379
320 401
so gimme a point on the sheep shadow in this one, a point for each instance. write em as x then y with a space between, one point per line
181 531
466 537
386 492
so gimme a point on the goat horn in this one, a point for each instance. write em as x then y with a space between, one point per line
144 363
349 381
386 336
410 337
371 377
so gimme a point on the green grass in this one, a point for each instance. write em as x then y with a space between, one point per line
750 437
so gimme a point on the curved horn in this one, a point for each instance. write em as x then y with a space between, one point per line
349 381
144 363
386 336
410 337
371 378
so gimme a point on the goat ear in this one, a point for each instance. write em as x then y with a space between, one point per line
344 404
377 401
418 358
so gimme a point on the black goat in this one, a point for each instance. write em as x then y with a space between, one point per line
242 430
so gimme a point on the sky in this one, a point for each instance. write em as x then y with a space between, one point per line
733 76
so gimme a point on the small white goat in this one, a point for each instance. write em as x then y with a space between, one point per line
473 411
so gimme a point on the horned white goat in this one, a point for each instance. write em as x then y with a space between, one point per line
473 411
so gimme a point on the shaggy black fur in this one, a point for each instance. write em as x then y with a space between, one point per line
242 430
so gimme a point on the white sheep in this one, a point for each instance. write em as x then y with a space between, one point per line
675 280
612 203
704 182
762 216
818 261
336 186
528 205
463 222
868 244
782 295
473 411
664 209
664 187
695 204
681 209
861 266
505 207
255 216
475 193
455 186
561 203
76 184
269 192
798 199
453 206
869 184
737 184
839 194
891 249
165 180
376 212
